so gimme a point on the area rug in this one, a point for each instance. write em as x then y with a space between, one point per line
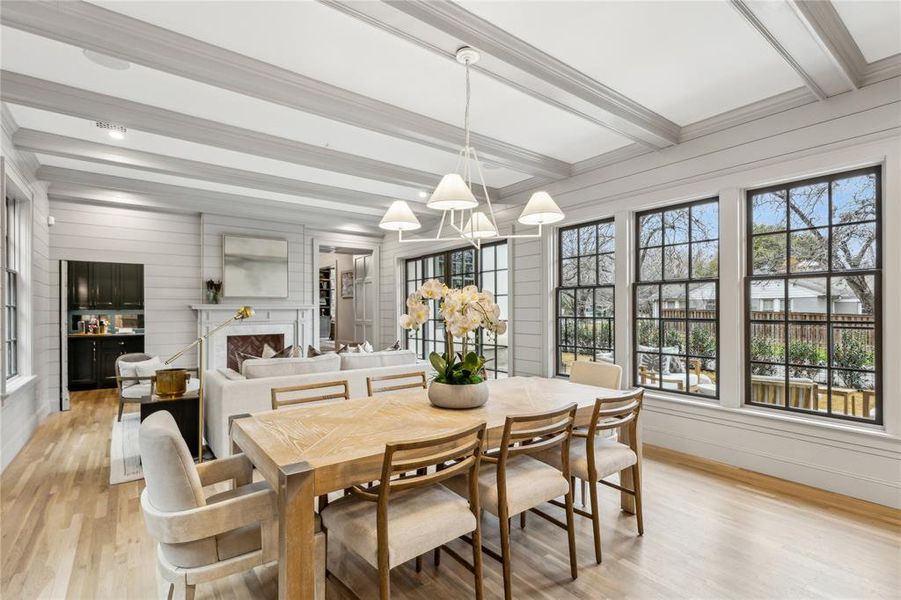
125 453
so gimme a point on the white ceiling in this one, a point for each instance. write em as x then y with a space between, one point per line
588 68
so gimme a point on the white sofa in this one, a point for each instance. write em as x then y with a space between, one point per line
228 394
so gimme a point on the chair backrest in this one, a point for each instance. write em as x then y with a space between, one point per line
288 396
131 357
418 381
600 374
625 412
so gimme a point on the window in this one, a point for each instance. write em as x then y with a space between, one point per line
676 338
585 293
813 296
487 268
11 290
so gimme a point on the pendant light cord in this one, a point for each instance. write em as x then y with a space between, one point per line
466 108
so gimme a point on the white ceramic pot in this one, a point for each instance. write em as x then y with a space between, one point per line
471 395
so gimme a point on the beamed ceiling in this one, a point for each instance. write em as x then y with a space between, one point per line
325 112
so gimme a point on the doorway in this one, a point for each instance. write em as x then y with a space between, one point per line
346 283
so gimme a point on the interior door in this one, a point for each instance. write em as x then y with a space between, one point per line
364 298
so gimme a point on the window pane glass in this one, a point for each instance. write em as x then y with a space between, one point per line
584 303
567 307
854 246
810 250
588 240
769 253
647 300
853 295
768 299
588 270
650 230
768 342
606 237
567 332
673 337
585 333
569 269
705 382
603 334
767 384
674 300
702 300
569 239
650 264
648 369
648 334
809 206
705 221
675 262
807 299
704 259
702 339
854 394
675 226
807 344
854 199
606 269
768 212
488 258
854 347
603 302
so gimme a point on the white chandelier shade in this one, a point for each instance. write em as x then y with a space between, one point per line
399 217
540 210
479 226
452 193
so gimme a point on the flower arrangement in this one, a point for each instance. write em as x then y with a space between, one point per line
213 291
463 310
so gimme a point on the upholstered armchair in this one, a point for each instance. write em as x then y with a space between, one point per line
203 538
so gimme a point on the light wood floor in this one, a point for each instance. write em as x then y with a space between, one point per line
711 532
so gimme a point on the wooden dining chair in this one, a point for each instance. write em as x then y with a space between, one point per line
511 481
287 396
419 378
405 516
592 458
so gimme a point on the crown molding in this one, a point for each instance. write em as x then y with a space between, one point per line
443 26
882 69
61 178
78 149
88 26
76 102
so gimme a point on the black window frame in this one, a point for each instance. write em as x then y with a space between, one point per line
828 274
484 344
11 289
687 282
561 288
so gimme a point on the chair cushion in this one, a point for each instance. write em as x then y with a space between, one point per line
610 457
529 483
137 391
277 367
419 520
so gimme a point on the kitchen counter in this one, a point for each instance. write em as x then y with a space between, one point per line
104 335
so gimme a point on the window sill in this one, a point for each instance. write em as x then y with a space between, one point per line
797 425
16 385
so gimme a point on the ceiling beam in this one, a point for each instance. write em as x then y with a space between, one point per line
442 27
175 195
56 97
52 144
89 26
782 26
826 26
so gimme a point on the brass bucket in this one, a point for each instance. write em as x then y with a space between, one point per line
171 383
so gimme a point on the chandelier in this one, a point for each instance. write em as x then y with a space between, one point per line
461 215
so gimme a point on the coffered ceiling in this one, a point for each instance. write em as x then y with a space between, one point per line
325 112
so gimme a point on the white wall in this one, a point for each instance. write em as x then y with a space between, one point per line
846 131
22 409
168 245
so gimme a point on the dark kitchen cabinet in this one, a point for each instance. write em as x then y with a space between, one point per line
105 286
92 359
130 286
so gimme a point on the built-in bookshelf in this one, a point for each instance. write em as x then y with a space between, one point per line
327 299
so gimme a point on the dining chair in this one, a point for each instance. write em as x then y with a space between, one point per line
419 378
288 396
202 537
600 374
593 458
511 481
405 516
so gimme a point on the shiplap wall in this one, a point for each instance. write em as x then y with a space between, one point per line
842 132
299 271
168 245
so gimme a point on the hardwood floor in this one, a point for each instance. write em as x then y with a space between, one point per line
711 532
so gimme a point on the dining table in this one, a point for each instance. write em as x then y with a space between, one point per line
310 450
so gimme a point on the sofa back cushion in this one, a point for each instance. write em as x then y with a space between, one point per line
371 360
277 367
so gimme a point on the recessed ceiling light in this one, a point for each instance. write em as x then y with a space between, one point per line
423 194
117 132
104 60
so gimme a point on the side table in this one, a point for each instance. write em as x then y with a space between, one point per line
186 411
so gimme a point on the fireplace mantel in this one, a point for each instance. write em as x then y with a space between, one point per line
294 321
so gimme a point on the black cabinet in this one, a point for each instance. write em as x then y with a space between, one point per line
105 286
92 359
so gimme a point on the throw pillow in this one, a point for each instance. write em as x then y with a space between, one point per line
148 368
366 347
393 347
343 349
311 352
268 351
289 352
240 357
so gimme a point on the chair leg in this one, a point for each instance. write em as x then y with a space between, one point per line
477 560
584 491
571 534
384 583
636 485
596 521
522 520
419 564
171 591
121 406
437 557
183 591
505 554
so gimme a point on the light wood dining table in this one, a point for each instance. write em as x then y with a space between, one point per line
309 451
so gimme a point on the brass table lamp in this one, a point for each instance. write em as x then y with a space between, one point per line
245 312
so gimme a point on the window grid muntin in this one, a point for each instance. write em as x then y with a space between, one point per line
11 290
874 322
562 288
686 282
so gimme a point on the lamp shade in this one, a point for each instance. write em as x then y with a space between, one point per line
399 217
452 193
540 210
479 226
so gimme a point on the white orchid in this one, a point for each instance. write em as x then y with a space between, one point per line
408 322
414 300
433 289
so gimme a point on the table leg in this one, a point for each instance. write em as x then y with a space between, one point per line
627 501
296 520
